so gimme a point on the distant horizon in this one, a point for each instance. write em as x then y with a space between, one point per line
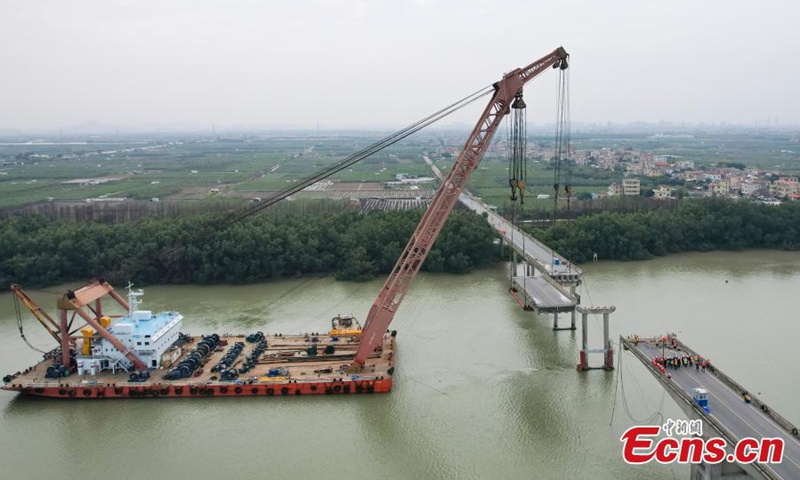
96 128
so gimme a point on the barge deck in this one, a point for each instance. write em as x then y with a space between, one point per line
284 368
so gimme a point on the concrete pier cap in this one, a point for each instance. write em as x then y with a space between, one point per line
590 310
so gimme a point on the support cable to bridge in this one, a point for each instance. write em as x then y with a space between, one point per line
518 180
562 173
657 415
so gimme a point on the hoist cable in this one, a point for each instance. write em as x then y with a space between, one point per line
18 312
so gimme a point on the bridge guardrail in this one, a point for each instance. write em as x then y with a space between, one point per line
729 437
733 385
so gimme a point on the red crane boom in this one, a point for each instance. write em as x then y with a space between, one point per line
405 270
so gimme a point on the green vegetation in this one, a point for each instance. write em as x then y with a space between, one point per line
189 169
712 224
37 252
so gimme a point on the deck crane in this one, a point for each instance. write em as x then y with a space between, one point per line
405 270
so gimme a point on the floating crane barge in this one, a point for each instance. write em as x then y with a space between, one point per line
179 365
145 355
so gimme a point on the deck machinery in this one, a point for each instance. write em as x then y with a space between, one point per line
144 355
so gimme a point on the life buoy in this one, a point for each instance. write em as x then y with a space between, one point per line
223 389
313 388
337 388
359 388
193 390
38 389
237 390
764 408
270 391
284 391
297 391
179 390
165 391
71 393
346 389
370 389
154 393
794 432
118 390
87 392
62 391
254 390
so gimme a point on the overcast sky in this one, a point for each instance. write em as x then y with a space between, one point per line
346 63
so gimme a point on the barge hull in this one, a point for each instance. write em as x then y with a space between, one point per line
380 385
318 374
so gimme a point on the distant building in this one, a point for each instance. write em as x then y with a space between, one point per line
631 187
690 176
615 189
663 192
105 199
750 189
784 187
404 180
720 188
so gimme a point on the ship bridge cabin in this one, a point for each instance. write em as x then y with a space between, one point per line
147 335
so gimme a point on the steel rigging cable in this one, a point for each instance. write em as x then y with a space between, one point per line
323 174
19 325
562 173
517 176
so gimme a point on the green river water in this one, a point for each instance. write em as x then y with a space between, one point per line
482 388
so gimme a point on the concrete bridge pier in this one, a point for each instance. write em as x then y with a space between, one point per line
607 350
555 322
574 311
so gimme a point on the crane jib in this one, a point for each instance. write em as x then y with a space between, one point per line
397 284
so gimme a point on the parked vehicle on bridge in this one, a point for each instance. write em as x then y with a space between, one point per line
700 397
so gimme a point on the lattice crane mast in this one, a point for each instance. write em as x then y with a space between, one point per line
405 270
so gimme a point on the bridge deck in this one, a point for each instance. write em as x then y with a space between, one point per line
543 295
728 407
535 252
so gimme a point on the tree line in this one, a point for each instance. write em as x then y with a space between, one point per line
709 224
36 251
